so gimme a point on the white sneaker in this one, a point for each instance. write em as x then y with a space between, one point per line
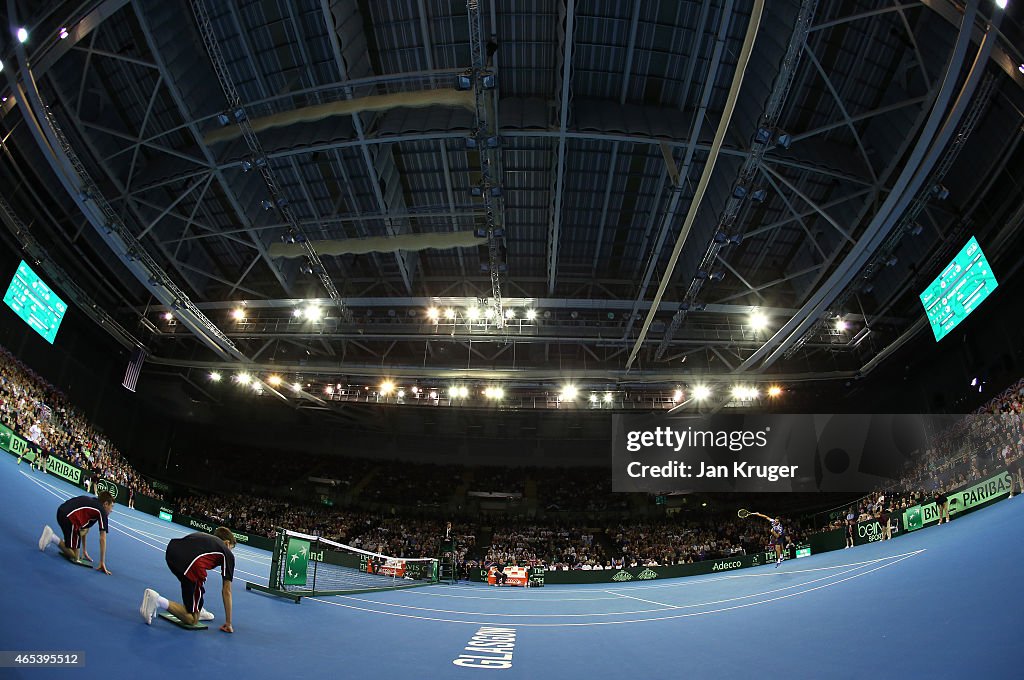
205 615
44 540
149 605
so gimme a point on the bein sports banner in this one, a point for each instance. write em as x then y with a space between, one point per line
756 452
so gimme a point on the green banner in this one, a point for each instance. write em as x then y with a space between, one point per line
971 497
63 469
912 518
113 488
296 561
15 444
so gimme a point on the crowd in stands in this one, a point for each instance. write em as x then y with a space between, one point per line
42 415
406 518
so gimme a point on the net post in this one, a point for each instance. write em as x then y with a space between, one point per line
275 560
316 543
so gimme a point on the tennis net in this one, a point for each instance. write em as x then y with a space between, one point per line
305 565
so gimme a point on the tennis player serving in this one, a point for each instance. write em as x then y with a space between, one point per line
778 533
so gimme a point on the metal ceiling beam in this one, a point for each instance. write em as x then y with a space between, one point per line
376 370
172 89
709 166
926 151
361 139
562 102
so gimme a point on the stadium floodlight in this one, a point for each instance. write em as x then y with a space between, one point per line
774 391
329 389
274 380
63 33
677 395
593 398
510 314
297 387
449 313
840 324
433 314
168 316
531 314
238 314
22 35
312 312
569 392
401 394
489 313
701 392
1001 4
473 313
243 378
607 397
215 376
297 313
387 387
495 393
758 321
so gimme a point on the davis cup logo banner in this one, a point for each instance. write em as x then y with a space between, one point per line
108 486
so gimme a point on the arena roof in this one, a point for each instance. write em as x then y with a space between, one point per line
611 166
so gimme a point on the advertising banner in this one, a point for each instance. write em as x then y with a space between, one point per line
296 562
15 444
912 518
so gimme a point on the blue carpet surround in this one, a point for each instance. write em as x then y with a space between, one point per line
941 602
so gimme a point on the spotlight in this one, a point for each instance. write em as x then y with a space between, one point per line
593 398
63 33
531 314
473 313
329 389
1021 68
840 324
168 316
297 313
774 391
5 98
238 314
312 312
758 321
22 35
489 313
401 394
215 376
274 380
415 390
243 378
1001 4
432 314
297 387
449 313
495 393
387 387
510 314
701 392
569 392
677 395
607 397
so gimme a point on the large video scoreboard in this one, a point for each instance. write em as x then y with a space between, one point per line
35 303
959 289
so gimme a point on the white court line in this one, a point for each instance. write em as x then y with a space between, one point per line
664 607
611 623
772 573
160 548
660 604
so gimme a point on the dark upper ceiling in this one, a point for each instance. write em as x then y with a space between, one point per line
605 116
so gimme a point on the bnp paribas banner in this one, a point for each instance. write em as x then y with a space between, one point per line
971 497
296 562
12 442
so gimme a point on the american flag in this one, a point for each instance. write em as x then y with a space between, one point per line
131 376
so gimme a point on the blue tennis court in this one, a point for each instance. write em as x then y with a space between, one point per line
944 601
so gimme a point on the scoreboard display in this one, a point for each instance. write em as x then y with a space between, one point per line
35 303
958 290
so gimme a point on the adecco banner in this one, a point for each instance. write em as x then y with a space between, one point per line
648 573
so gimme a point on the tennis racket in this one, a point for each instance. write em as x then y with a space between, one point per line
743 514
